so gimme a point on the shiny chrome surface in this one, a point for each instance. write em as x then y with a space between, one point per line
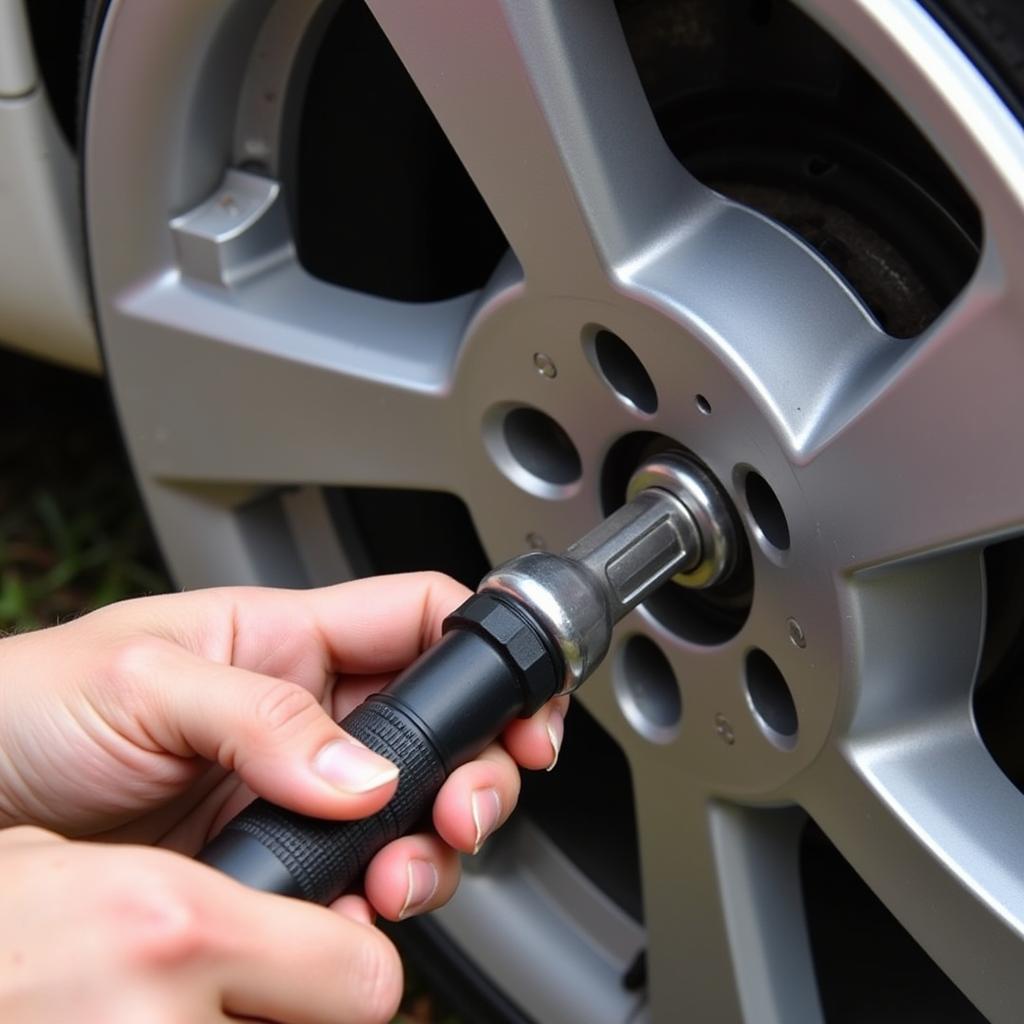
568 600
710 510
637 548
580 595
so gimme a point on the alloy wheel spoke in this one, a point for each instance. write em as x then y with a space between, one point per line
544 107
769 307
931 824
919 640
725 923
546 907
926 434
288 380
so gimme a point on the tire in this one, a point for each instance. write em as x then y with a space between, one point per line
344 338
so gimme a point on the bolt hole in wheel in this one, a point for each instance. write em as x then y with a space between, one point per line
647 690
770 699
532 449
766 511
709 616
622 370
703 405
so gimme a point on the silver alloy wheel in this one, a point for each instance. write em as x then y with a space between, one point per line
888 461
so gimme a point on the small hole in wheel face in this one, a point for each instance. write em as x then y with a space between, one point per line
647 690
703 405
771 699
766 511
541 446
623 372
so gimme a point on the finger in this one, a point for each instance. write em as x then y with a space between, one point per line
285 960
476 799
29 835
273 733
362 627
411 876
355 908
381 624
135 1005
354 691
138 1004
536 742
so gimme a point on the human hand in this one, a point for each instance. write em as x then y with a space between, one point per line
154 721
121 935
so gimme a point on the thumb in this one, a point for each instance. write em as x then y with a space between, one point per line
274 734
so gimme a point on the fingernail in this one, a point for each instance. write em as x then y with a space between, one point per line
556 730
421 884
349 766
486 807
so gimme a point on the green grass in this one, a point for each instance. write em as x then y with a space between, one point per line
73 535
73 532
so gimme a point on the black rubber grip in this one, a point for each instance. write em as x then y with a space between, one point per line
325 858
493 664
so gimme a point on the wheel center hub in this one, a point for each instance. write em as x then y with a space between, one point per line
708 506
735 675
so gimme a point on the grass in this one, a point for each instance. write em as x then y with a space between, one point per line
73 532
73 535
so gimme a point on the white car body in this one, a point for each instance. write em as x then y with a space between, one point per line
44 300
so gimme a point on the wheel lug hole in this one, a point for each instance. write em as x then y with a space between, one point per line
766 513
647 690
703 405
532 449
622 370
770 699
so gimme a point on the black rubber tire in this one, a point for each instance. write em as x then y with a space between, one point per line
991 33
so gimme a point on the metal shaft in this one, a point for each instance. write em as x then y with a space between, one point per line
639 547
656 536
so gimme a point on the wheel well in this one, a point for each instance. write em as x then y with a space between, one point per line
56 27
